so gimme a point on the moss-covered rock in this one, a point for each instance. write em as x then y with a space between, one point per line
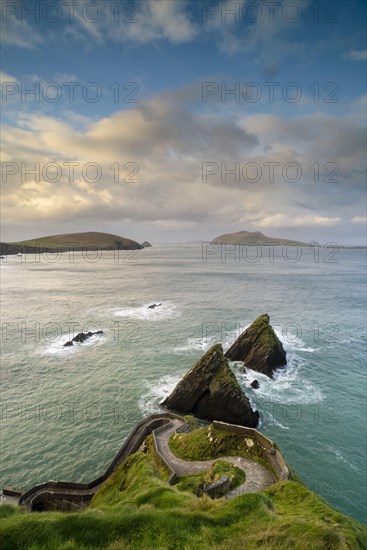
259 348
210 391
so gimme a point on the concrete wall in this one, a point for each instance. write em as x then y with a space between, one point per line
62 490
64 495
171 472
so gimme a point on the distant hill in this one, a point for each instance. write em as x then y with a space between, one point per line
71 241
251 237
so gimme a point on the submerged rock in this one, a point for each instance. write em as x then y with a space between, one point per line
210 391
82 336
255 384
259 348
153 306
146 244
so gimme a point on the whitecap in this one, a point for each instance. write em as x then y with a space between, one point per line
287 385
269 419
195 344
166 310
157 392
339 456
57 347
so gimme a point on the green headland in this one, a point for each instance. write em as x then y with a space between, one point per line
136 508
72 241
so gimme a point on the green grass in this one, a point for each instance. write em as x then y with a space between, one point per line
219 469
136 509
251 237
208 443
192 421
68 240
224 375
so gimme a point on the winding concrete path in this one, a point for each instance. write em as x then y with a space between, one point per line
258 477
162 425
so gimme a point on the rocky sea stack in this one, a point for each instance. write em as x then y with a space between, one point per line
259 348
210 391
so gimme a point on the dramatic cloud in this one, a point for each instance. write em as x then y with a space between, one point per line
176 168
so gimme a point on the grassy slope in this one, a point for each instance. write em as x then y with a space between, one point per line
137 509
247 237
79 239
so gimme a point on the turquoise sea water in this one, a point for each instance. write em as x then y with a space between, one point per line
66 411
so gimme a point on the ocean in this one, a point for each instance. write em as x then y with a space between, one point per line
66 411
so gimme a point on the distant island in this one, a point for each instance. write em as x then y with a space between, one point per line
71 241
254 237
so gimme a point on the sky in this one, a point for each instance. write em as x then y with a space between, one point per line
175 120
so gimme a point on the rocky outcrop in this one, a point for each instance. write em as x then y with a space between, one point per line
146 244
210 391
255 384
82 337
218 488
153 306
259 348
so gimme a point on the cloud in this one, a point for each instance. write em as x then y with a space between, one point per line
17 32
359 219
328 140
356 55
152 21
166 140
5 77
260 29
281 220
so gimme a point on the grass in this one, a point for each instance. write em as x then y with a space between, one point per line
224 375
192 421
219 469
264 333
208 443
161 467
248 237
136 509
68 240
